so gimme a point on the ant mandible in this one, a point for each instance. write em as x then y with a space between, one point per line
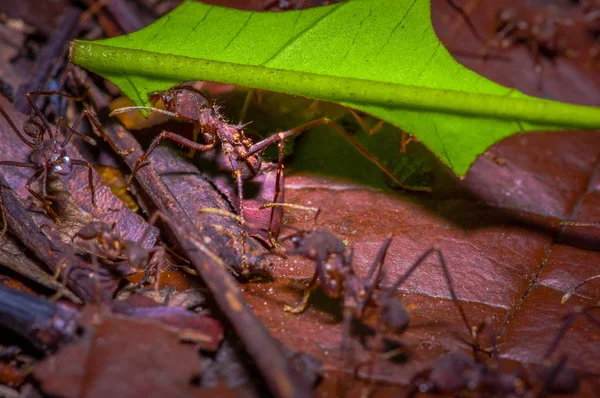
49 156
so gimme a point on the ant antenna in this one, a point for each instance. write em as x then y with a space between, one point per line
140 108
571 291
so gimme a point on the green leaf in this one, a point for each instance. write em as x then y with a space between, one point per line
379 56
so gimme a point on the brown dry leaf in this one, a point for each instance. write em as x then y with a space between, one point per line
122 357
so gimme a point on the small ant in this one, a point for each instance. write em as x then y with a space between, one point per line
335 273
110 246
49 156
457 373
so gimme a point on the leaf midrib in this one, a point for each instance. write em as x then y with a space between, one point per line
334 88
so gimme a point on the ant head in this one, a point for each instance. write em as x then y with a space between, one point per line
166 97
136 255
35 128
394 315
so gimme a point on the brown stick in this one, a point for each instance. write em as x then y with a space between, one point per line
280 377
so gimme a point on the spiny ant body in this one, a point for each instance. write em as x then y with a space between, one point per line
49 156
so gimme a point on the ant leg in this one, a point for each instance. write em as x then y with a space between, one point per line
373 277
79 162
71 131
376 161
571 291
447 277
300 308
363 125
159 263
16 130
38 111
261 145
240 188
39 197
195 133
277 211
406 139
321 274
173 137
66 265
100 131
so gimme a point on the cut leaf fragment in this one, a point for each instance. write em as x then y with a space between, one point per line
379 56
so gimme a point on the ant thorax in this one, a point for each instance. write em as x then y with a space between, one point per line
52 154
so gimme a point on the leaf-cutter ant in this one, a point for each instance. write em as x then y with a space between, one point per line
335 273
188 104
49 156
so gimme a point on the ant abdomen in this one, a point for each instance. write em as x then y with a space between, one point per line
136 255
395 316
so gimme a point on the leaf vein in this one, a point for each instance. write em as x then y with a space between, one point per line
396 27
239 31
203 18
294 38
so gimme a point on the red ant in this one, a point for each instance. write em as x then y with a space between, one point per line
112 247
49 156
457 373
188 104
336 275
